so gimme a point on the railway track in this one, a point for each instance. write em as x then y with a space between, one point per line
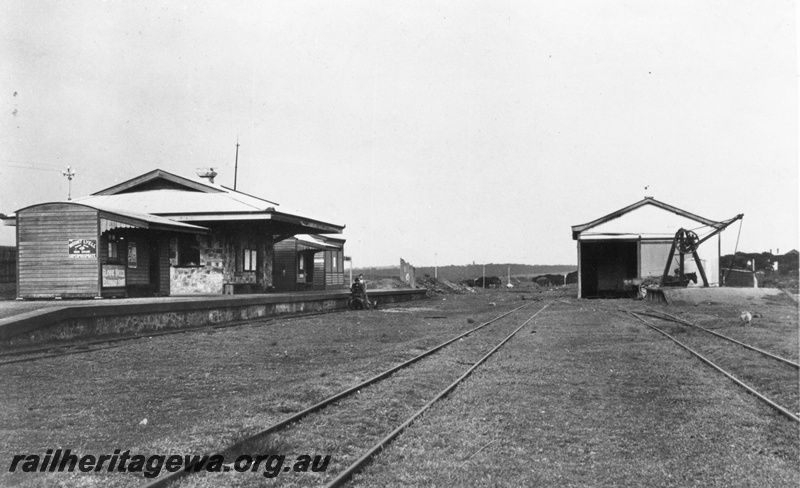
666 316
24 355
375 415
767 376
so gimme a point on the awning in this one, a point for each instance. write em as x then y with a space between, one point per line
312 242
111 219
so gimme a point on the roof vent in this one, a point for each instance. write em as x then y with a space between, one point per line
207 173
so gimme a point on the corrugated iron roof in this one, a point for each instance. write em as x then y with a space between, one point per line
181 199
150 219
315 242
579 229
170 202
159 174
136 219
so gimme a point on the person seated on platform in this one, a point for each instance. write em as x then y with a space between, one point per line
359 288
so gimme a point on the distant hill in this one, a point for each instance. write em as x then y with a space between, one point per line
472 271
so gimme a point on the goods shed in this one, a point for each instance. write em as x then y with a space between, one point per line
635 242
156 234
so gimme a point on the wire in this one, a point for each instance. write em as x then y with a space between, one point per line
700 227
734 252
33 166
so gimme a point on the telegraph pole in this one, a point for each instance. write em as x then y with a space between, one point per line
69 173
236 165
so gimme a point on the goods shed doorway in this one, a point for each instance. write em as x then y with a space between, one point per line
604 265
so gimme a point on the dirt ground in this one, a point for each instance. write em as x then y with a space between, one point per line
584 395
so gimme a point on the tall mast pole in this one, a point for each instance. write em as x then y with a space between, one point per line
236 165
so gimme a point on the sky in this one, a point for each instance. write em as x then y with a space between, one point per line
440 132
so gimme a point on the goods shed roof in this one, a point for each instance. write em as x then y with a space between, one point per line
646 218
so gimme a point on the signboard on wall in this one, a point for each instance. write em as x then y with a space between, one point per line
113 275
83 248
132 259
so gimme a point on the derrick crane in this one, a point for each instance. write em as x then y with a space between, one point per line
687 242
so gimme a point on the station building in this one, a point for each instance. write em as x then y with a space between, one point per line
161 234
635 242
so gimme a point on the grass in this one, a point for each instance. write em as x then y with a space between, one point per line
773 330
593 399
352 426
590 398
201 391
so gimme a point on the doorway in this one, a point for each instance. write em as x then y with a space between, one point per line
605 265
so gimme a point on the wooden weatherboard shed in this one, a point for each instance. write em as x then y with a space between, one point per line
634 242
72 250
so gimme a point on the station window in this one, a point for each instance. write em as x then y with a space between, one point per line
188 251
249 260
113 246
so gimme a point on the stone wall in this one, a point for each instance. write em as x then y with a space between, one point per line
226 248
219 253
195 280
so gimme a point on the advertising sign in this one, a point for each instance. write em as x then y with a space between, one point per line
83 248
113 275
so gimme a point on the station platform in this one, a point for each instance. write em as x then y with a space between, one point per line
35 321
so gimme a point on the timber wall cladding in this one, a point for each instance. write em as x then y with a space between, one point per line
140 275
8 264
45 266
163 266
284 274
319 270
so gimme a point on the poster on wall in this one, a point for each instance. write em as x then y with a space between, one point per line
132 259
113 276
83 248
173 251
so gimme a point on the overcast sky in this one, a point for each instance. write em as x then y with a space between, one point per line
439 132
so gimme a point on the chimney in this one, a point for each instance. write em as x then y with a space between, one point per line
207 173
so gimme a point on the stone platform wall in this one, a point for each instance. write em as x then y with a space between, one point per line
69 323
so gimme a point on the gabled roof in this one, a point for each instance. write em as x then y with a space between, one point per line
164 193
167 179
578 229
